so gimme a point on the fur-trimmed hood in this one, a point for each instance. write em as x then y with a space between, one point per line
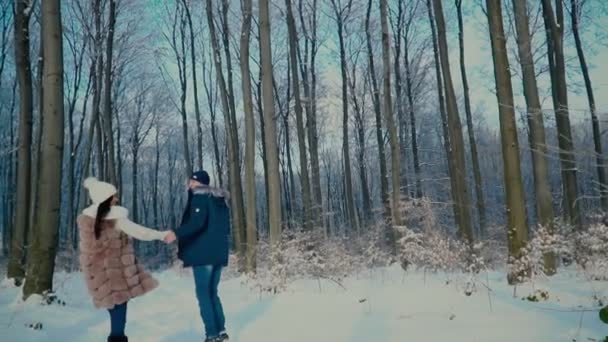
212 191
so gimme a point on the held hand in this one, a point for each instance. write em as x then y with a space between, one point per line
170 238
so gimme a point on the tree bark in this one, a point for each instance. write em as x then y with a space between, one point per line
390 121
274 190
16 261
442 110
348 184
197 110
378 114
234 175
250 194
180 56
544 205
41 262
402 129
599 157
517 230
554 28
481 207
461 198
410 99
295 79
307 67
107 101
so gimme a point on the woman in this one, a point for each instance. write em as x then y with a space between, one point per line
107 258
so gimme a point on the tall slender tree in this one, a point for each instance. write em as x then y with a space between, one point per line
575 13
517 229
554 28
342 13
460 193
108 134
378 115
21 31
544 203
197 108
388 113
295 79
250 193
233 165
274 188
41 262
481 207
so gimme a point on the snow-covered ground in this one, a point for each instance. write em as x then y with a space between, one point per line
384 305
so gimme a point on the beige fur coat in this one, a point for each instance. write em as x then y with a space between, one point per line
111 272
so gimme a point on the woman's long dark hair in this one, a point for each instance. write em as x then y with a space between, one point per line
102 211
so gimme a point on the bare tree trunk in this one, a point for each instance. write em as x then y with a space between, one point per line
554 28
442 110
197 110
234 177
107 112
544 203
41 262
461 200
388 113
599 157
16 261
250 196
304 179
360 128
481 207
233 134
402 129
341 16
274 189
180 56
307 67
517 230
290 187
378 113
211 101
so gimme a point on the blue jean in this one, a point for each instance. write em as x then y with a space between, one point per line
206 280
118 319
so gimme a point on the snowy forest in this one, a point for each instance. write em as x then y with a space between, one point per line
438 136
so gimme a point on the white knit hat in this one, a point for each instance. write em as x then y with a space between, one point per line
99 191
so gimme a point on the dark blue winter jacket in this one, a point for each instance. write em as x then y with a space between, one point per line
204 236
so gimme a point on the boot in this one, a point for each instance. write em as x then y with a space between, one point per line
118 339
224 337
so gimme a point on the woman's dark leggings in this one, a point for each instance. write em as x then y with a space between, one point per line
118 319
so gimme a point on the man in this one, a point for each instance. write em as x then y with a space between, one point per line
203 244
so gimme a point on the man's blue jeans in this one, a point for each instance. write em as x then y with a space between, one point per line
207 279
118 319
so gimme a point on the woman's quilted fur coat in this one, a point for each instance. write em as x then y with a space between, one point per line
111 271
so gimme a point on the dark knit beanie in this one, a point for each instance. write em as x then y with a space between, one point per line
201 177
